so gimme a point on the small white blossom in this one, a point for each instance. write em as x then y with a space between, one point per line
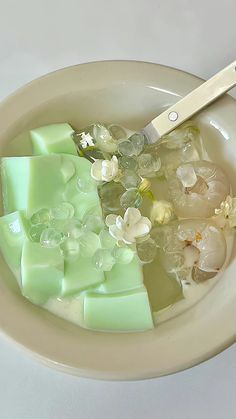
105 170
127 229
162 212
225 216
86 140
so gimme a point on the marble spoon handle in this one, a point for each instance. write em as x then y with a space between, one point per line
198 99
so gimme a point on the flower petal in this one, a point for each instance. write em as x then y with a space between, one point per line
96 170
120 223
111 219
146 221
116 232
132 216
139 229
127 239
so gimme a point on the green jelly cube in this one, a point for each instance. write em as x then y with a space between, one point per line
80 274
122 278
31 183
13 232
55 138
128 311
15 175
42 271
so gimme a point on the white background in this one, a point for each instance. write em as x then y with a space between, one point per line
40 36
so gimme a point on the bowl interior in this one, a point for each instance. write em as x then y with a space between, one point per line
130 94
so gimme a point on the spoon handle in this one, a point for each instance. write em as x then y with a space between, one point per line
196 100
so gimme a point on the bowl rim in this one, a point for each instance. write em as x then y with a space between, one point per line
90 373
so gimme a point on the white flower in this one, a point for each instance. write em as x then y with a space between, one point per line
86 140
130 227
162 212
225 216
105 170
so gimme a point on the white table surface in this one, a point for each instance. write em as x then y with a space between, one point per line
40 36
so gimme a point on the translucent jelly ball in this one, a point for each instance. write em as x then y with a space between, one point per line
70 249
36 231
147 250
89 242
93 223
107 241
117 132
103 139
131 198
63 211
130 179
126 148
138 143
103 260
72 228
50 238
148 165
123 255
100 132
110 194
84 184
129 163
40 217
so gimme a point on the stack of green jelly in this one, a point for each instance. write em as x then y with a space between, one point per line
115 300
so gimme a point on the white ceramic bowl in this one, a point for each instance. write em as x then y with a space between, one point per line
129 93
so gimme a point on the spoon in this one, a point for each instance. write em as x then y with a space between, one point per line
185 108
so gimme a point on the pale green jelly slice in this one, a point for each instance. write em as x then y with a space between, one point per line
128 311
55 138
13 232
122 278
31 183
79 275
15 176
42 271
70 309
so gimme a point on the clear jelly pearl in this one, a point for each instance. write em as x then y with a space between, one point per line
36 231
130 179
146 251
123 255
50 237
103 260
40 217
138 143
100 132
110 194
131 198
70 248
126 148
89 242
104 139
107 241
72 228
129 163
85 185
117 132
148 165
63 211
93 223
